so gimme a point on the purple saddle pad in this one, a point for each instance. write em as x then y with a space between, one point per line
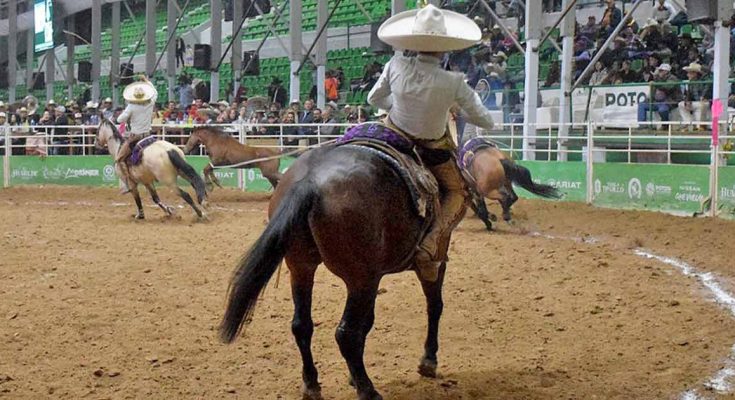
469 148
374 131
137 155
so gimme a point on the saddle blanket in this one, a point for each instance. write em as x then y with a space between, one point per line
467 152
137 156
379 132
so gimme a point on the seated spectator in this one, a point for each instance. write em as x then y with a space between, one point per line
648 72
483 91
554 76
582 57
665 96
627 75
696 101
272 130
290 133
599 76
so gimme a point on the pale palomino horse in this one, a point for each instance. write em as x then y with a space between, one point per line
160 162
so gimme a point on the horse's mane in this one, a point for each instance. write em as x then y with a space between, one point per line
115 133
217 131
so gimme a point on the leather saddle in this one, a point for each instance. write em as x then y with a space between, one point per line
400 153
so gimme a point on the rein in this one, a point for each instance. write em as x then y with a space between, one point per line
257 160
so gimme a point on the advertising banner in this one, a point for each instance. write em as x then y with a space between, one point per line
568 177
62 170
673 188
255 182
726 192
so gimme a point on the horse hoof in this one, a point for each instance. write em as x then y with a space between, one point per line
427 368
170 210
204 204
139 216
311 394
351 382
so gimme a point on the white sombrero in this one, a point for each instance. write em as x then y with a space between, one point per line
139 92
429 29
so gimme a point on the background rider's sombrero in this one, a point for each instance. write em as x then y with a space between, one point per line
429 29
139 92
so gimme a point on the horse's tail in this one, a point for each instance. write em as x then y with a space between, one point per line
522 176
260 263
188 173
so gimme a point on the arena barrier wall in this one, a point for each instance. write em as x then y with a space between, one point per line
100 171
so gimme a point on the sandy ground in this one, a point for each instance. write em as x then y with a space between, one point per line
96 305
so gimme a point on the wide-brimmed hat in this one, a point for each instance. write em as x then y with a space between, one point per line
2 104
429 29
693 67
91 105
664 67
139 92
223 103
501 54
651 22
333 105
108 100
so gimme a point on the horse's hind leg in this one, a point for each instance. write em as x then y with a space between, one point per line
184 195
302 326
480 208
154 195
434 307
357 320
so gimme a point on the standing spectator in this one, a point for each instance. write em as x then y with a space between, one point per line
663 12
189 56
331 86
180 51
44 128
92 116
62 131
610 19
664 95
582 57
276 91
696 96
329 117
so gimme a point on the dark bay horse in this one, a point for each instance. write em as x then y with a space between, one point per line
347 208
493 174
223 149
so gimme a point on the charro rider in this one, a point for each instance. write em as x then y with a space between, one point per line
141 98
418 95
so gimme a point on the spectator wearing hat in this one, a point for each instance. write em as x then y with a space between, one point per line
697 95
92 116
106 109
665 95
663 12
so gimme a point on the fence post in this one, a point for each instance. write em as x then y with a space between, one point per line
240 174
590 164
6 157
714 178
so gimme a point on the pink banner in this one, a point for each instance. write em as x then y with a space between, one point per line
717 110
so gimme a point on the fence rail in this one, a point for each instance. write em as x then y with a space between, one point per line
672 170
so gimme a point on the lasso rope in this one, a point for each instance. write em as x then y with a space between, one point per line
257 160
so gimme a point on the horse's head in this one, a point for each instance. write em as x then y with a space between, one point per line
106 131
194 140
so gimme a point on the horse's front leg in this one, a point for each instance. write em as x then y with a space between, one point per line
210 177
154 195
434 308
138 203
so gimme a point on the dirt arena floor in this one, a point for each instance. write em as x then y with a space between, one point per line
96 305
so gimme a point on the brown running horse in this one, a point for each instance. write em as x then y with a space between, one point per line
223 149
493 174
347 208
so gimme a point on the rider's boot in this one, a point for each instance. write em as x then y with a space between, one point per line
122 167
433 249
